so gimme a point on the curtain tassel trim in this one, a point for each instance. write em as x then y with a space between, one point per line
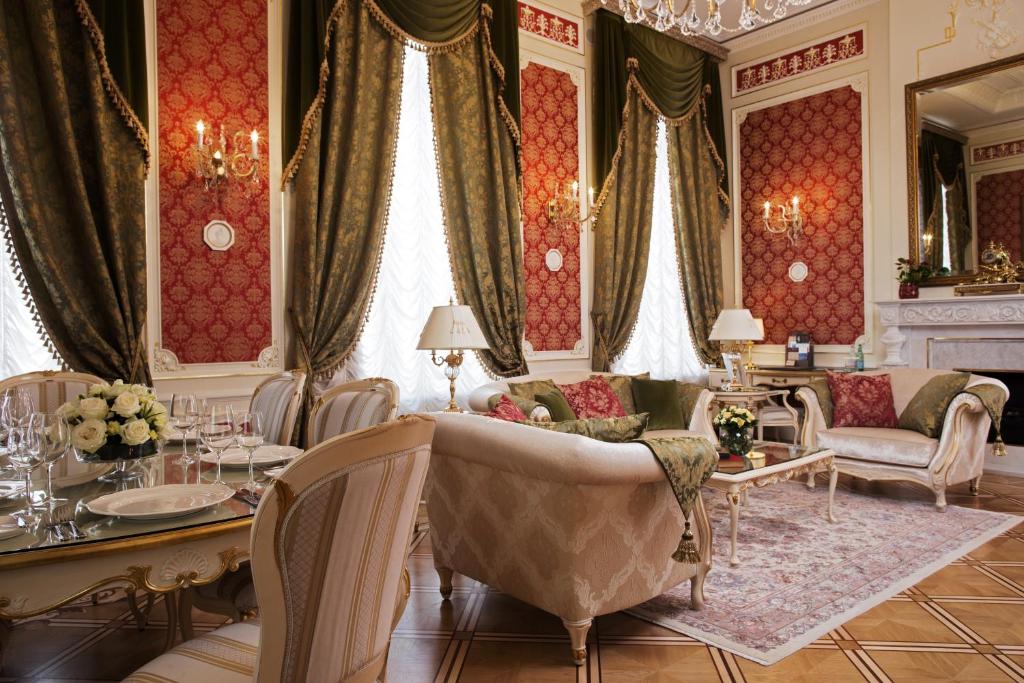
117 98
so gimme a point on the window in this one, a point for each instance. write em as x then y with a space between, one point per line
661 341
22 349
415 273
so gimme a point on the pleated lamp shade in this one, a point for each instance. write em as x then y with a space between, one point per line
736 324
452 327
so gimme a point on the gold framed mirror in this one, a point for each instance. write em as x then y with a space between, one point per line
965 167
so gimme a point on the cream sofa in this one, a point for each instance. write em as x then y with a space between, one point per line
700 421
574 526
899 454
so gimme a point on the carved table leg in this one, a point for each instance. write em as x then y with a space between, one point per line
734 523
833 477
141 615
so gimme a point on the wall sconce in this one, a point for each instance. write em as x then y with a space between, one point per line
214 164
564 209
927 239
784 220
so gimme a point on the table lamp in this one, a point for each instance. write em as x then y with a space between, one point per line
733 327
454 329
751 365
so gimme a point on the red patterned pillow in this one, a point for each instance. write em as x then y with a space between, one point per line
862 401
505 409
592 397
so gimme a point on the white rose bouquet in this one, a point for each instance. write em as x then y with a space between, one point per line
735 426
735 418
116 422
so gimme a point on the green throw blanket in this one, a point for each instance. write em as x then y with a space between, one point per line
994 400
688 462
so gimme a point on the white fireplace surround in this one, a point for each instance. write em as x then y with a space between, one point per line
969 333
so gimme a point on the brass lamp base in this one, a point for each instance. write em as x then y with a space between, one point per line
454 361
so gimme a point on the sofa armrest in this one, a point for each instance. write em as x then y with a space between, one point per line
964 434
700 420
814 419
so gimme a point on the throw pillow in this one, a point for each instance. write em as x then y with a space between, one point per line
862 400
689 394
527 405
622 385
592 398
530 388
926 412
660 398
609 429
506 409
820 389
557 406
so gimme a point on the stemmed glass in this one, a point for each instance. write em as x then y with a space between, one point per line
217 430
26 456
53 439
250 437
184 417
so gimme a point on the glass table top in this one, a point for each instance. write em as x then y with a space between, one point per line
79 483
774 454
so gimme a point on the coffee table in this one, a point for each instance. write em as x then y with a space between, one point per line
782 462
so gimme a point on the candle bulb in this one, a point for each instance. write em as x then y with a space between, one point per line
767 209
200 129
590 196
255 136
575 189
796 206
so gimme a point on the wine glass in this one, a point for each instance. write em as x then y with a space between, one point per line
250 437
184 417
217 430
26 456
53 439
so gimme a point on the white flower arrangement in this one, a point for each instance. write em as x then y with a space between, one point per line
114 415
732 417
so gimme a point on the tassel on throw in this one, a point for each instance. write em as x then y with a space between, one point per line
999 448
687 550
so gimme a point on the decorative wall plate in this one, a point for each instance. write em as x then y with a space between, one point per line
219 235
798 271
553 260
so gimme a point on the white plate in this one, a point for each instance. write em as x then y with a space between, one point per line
11 492
160 502
265 456
8 527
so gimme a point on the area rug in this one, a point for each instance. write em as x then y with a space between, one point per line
800 576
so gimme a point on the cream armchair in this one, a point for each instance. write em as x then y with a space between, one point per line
899 454
574 526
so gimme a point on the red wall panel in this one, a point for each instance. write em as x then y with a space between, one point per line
550 160
1000 208
809 147
212 65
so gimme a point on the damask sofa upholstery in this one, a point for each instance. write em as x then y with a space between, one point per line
900 454
574 526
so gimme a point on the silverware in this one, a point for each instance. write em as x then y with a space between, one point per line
51 524
247 496
65 516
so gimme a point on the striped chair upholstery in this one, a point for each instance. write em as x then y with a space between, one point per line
351 406
49 388
277 400
329 545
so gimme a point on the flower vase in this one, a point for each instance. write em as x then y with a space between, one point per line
738 441
121 455
909 290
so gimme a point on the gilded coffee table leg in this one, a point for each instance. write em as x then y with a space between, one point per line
734 522
833 477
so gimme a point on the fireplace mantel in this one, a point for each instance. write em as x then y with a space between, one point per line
922 320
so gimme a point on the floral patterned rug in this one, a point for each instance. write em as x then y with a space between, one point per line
800 576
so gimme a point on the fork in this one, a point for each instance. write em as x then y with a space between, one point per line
65 515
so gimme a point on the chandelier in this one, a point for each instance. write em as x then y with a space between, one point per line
665 15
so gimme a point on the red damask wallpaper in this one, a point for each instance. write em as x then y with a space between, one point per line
212 65
810 147
550 160
1000 207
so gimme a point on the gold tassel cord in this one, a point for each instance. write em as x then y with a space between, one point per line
687 552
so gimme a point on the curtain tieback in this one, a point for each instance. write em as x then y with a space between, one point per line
138 353
303 345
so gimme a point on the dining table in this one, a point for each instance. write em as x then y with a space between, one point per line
39 573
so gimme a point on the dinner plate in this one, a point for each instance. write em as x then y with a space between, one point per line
11 492
8 527
160 502
265 456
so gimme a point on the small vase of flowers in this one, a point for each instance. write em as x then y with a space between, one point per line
736 429
116 423
911 275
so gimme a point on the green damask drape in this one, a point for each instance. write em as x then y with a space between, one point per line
476 136
941 163
74 156
678 84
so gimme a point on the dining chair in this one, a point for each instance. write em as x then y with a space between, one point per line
351 406
50 389
277 400
329 542
778 412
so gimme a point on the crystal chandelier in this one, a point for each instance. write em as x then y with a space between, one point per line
665 15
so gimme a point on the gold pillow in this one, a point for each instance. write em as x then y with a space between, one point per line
824 394
688 396
609 429
927 410
531 388
622 385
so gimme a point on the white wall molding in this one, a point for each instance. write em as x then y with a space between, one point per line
800 22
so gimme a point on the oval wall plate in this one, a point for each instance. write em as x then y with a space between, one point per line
219 235
553 260
798 271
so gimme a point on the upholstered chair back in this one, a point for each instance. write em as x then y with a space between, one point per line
50 388
351 406
277 400
330 542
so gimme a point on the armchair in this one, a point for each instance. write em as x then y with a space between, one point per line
874 453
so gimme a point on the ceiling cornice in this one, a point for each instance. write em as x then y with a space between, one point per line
716 50
797 23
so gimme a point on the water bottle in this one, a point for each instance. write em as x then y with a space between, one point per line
860 357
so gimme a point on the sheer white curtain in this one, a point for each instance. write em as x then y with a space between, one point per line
21 348
661 341
415 272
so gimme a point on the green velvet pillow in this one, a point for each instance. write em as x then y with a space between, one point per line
609 429
824 394
557 405
622 386
688 396
531 388
660 398
926 412
526 405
